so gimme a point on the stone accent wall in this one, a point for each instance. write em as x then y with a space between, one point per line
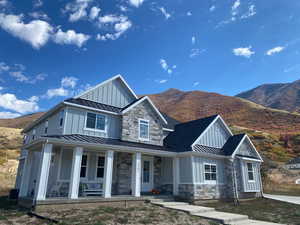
122 173
130 124
209 191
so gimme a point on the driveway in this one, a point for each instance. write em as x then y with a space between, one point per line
284 198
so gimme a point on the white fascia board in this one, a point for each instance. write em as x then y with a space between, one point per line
151 103
167 129
206 129
119 76
252 145
47 114
245 158
90 108
108 147
226 126
201 154
237 147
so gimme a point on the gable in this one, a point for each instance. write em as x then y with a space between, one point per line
113 92
246 149
215 136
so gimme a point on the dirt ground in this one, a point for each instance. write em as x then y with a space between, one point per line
147 214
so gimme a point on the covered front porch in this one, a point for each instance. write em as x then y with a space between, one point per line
59 172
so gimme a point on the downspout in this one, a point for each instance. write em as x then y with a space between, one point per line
261 184
234 182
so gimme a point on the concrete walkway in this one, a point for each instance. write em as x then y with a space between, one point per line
284 198
210 213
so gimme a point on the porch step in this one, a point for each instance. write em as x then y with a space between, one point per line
221 217
191 208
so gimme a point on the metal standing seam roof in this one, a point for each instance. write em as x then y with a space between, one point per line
108 141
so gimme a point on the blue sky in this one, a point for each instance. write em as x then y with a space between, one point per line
51 50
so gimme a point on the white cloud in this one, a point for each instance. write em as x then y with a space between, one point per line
136 3
251 12
94 12
3 3
69 82
193 40
70 37
37 3
77 9
245 52
165 13
10 102
1 88
189 13
41 76
162 81
9 115
212 8
34 99
120 24
3 67
196 83
164 65
235 7
36 32
19 75
62 92
123 8
194 52
275 50
39 15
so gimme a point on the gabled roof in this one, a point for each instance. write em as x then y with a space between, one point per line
105 82
186 134
232 143
138 101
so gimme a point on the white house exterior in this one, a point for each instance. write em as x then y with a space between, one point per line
107 142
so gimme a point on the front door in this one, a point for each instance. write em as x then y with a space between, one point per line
147 174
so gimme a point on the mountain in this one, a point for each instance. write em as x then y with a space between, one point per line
284 96
190 105
20 122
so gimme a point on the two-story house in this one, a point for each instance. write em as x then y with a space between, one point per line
108 142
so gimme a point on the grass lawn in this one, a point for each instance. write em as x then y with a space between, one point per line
147 214
263 209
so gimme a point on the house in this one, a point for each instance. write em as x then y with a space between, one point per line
293 164
107 142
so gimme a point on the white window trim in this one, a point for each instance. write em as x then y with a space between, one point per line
95 129
253 172
210 181
85 178
144 139
97 155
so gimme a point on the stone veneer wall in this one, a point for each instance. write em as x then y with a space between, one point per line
130 124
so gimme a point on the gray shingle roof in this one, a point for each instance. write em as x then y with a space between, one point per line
207 149
232 143
108 141
185 134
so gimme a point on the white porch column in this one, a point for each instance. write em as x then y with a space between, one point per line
26 174
43 172
175 175
136 174
108 172
75 172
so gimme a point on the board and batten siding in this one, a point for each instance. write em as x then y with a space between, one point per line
246 149
76 119
111 93
185 170
199 163
216 135
250 186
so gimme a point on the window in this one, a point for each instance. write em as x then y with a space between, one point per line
46 126
144 129
100 167
61 117
250 171
84 163
33 134
95 121
210 172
